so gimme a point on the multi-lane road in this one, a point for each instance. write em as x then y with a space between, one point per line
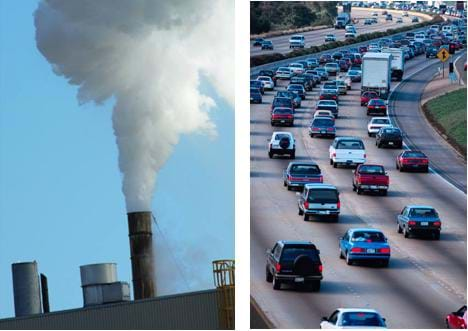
317 37
425 280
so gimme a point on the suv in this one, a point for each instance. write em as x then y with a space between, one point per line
294 262
282 143
320 200
348 151
297 41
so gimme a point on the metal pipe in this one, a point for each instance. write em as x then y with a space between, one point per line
45 294
26 290
141 251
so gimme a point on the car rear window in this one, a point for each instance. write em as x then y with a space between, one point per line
381 121
282 135
350 144
368 236
361 319
282 102
290 253
254 90
378 102
371 169
414 154
391 131
327 103
322 196
282 111
305 169
322 122
422 212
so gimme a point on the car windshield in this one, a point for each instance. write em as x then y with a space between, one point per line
350 144
368 236
295 87
378 102
322 122
284 94
282 111
361 319
304 169
264 78
372 169
290 253
414 154
381 121
282 102
423 212
295 65
322 196
283 69
296 38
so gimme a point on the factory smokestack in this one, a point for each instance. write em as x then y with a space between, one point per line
141 252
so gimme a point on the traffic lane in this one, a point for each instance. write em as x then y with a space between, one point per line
317 37
269 190
419 134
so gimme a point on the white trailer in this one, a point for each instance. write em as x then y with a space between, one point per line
398 62
376 73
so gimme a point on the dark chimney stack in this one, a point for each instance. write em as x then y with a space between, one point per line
141 250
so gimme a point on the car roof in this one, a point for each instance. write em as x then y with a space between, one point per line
296 242
302 162
380 118
348 138
320 185
420 206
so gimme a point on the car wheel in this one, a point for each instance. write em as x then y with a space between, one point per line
406 232
426 169
306 217
311 135
335 164
354 188
369 134
383 192
314 286
335 218
437 235
341 254
276 283
358 190
348 260
285 184
268 275
289 187
300 212
331 162
396 166
362 104
399 230
401 169
379 145
270 155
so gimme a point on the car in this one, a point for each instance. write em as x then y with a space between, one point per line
337 56
350 28
367 96
324 113
297 41
258 84
313 63
414 160
370 177
375 13
268 83
332 68
269 73
362 49
283 73
267 44
329 105
350 35
354 75
388 17
298 88
431 51
419 219
295 98
295 263
322 126
282 143
313 79
343 65
297 174
324 58
399 20
373 48
347 151
255 95
376 106
414 19
405 14
341 86
282 116
282 102
319 199
368 21
258 41
376 123
353 318
322 72
329 94
329 84
389 136
457 319
364 244
330 37
302 80
384 13
297 68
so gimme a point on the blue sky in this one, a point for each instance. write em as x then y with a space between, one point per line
60 187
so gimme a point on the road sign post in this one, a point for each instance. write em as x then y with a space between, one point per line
443 56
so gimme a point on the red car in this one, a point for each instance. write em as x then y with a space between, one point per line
370 177
376 106
362 49
457 319
414 160
366 96
324 58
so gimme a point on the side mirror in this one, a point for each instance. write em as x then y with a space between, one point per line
324 319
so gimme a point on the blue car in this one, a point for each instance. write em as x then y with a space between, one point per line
415 219
255 95
365 244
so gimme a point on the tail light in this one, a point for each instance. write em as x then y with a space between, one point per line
306 204
437 223
357 250
334 97
289 116
412 223
330 129
425 161
338 204
321 97
371 107
278 267
385 250
334 154
320 268
315 129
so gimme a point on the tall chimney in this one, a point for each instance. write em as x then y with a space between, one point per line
26 289
141 250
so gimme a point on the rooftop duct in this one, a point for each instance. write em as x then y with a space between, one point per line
27 294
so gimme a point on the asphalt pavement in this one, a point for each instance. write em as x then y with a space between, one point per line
425 280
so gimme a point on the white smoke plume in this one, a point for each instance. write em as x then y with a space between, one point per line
149 55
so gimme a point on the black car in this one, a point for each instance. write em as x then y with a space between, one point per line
313 79
255 95
269 73
258 41
337 56
267 44
389 137
431 51
257 84
328 94
296 263
295 98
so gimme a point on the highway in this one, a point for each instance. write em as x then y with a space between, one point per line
425 280
281 43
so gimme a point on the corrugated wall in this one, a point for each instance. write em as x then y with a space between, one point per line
196 310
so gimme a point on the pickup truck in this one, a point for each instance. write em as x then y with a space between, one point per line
370 177
348 151
297 174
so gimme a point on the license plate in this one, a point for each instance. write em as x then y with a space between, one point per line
424 223
370 250
323 132
299 279
390 142
373 187
282 121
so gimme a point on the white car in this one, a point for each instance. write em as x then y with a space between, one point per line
284 73
348 151
268 83
419 37
350 28
297 41
353 318
330 37
376 123
350 35
282 143
373 48
297 68
324 113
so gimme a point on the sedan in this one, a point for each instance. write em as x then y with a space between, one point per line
389 136
330 37
376 106
353 318
281 102
258 42
295 98
376 123
330 105
324 58
365 244
368 95
329 94
267 44
415 219
268 83
332 68
322 126
282 116
414 160
354 75
255 95
298 88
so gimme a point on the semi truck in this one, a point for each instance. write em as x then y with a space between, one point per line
398 62
342 20
376 73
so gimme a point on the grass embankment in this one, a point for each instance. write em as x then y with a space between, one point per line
447 114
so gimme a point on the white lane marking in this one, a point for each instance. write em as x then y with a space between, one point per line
456 70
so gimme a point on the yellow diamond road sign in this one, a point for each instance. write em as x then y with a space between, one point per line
443 55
